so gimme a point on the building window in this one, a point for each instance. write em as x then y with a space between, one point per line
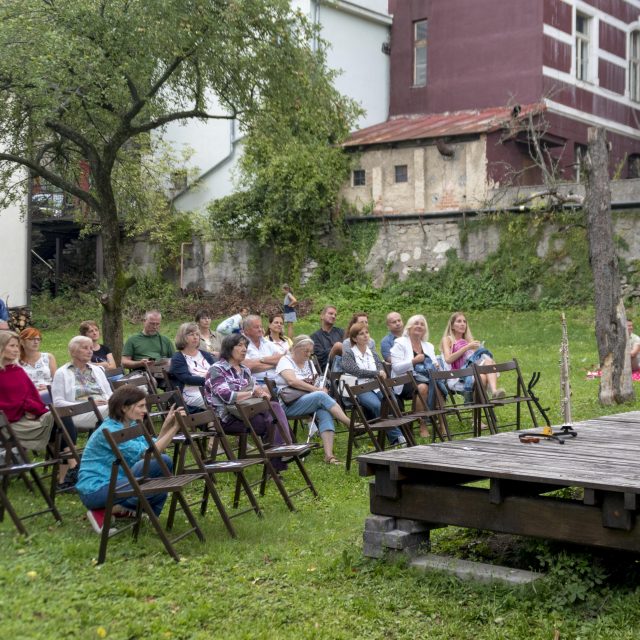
634 66
359 178
420 53
402 173
583 29
634 166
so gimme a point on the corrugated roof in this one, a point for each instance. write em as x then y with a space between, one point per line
437 125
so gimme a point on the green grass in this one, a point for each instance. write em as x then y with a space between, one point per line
302 575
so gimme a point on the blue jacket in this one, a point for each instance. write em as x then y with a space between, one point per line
179 369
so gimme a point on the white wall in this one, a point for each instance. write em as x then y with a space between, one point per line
13 256
356 30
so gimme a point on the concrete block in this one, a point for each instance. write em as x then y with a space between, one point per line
480 571
370 550
401 539
373 537
412 526
379 523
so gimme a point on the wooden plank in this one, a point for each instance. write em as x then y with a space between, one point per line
545 518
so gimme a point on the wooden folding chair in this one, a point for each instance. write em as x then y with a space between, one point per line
418 412
298 421
267 451
190 426
516 393
15 462
138 378
158 372
141 487
474 409
375 429
115 371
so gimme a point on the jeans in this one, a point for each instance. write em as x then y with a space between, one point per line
318 402
370 401
98 499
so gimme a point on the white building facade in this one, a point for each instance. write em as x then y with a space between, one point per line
357 32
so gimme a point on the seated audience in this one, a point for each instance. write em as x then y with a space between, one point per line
102 355
396 327
262 355
357 318
327 341
230 381
412 352
233 324
78 380
209 340
148 345
39 365
363 362
634 347
275 334
23 406
461 350
126 408
189 365
296 372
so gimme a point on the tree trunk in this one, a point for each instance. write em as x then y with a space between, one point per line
611 323
116 281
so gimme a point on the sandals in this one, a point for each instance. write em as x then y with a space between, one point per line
332 460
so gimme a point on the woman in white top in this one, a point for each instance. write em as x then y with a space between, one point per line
275 333
410 350
80 379
190 365
364 363
39 365
296 371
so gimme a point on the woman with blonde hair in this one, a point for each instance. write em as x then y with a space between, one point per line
413 352
460 350
40 366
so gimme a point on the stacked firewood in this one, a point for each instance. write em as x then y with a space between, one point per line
19 318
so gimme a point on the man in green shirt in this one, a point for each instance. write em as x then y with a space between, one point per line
148 345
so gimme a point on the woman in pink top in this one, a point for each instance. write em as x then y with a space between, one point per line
460 350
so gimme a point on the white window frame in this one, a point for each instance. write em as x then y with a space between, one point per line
420 45
583 42
634 66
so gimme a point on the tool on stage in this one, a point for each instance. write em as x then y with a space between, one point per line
566 431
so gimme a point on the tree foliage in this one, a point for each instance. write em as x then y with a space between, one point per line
83 82
292 167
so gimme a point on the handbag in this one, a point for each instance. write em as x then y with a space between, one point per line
289 394
249 402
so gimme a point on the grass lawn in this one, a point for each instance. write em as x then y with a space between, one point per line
302 574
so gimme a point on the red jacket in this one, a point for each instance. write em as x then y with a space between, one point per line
18 395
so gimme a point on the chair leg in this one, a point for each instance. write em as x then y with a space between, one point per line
247 488
278 481
7 506
305 475
211 489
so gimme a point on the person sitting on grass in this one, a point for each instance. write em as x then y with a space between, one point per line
189 365
233 324
127 407
461 350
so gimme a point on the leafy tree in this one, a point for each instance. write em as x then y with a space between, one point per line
84 82
291 171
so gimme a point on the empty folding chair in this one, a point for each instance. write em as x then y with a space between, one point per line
14 461
375 429
470 410
141 488
515 393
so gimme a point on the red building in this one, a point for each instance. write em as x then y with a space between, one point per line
580 59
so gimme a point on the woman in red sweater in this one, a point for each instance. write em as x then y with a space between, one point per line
19 398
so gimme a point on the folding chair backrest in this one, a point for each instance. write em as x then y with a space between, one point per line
13 451
253 408
77 409
273 389
116 371
159 404
134 380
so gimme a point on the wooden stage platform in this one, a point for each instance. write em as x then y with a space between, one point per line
500 484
